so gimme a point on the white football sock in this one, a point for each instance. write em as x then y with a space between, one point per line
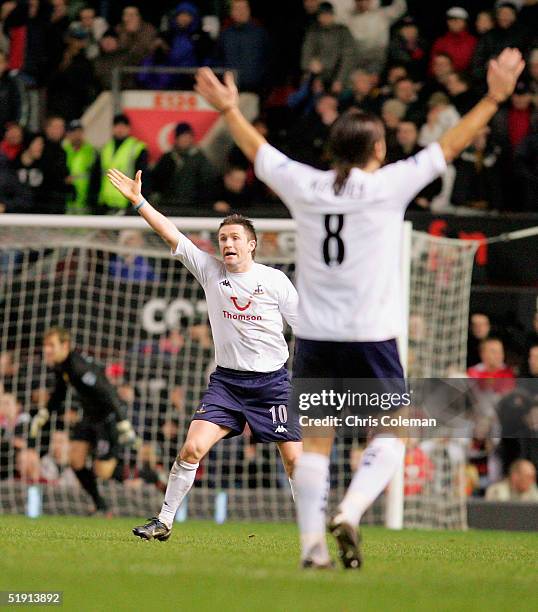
311 480
379 462
180 482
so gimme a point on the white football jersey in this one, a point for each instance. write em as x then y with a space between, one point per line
245 310
349 245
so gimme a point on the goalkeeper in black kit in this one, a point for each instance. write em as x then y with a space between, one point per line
104 428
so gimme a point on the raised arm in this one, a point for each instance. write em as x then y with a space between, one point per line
225 98
132 190
503 73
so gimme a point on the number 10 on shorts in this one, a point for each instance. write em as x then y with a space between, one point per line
281 412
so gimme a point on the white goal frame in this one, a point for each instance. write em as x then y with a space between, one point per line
394 508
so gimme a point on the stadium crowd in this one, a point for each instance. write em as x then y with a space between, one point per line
418 68
308 62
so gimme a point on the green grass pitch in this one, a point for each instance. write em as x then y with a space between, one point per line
100 566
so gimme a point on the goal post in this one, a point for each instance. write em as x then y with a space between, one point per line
112 282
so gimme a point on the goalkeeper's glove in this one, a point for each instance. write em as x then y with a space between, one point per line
38 422
126 434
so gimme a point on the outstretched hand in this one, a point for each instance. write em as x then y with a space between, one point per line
129 188
222 96
503 73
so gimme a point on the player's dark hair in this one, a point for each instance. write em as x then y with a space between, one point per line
63 334
237 219
352 143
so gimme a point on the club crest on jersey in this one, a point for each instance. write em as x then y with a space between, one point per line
238 306
259 290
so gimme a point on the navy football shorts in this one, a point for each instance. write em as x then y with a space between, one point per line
235 398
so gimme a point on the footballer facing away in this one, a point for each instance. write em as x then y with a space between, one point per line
349 233
104 428
246 305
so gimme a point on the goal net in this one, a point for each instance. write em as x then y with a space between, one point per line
141 315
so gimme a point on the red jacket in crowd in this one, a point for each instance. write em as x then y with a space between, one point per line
459 46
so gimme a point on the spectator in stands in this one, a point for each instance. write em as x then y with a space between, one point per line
303 100
478 177
14 198
519 486
479 329
361 94
441 66
12 143
405 90
80 158
56 186
457 43
10 99
244 46
493 373
484 22
9 369
407 47
26 25
406 146
506 33
183 45
392 112
460 92
55 468
129 266
29 169
43 181
58 23
514 123
72 88
183 177
370 27
232 193
124 152
311 8
330 50
441 117
259 191
395 72
135 35
95 27
307 140
110 58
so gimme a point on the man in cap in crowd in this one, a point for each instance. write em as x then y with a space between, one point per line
124 152
457 43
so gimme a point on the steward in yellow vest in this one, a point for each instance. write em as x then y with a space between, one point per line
124 152
81 157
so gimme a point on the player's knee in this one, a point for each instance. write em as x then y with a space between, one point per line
289 465
192 451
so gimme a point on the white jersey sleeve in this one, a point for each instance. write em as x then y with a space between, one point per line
198 262
408 177
283 175
288 301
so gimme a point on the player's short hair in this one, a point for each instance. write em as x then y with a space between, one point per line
237 219
352 142
63 334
